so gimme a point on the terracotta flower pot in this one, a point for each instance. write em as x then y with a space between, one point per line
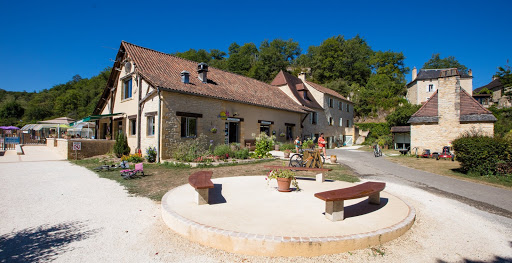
334 158
283 184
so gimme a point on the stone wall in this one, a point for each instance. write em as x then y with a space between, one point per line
90 148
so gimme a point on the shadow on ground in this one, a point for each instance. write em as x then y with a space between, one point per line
496 259
363 208
41 243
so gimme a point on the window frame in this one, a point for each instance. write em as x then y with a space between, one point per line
132 127
127 89
150 127
186 120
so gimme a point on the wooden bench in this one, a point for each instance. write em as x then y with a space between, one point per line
319 177
334 200
202 184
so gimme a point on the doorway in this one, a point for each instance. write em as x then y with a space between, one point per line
232 132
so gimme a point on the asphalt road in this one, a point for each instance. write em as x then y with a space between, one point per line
484 197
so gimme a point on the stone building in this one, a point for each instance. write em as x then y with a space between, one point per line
448 113
331 113
498 95
160 100
427 81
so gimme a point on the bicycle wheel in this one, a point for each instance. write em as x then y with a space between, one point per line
295 160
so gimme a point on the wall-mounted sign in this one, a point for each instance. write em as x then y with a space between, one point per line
265 122
223 115
233 119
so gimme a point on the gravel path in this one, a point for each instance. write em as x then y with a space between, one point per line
54 210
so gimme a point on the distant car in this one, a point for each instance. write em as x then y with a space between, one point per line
446 154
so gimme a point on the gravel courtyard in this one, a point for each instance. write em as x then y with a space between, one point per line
55 210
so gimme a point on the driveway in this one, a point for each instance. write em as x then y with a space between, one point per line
489 198
55 210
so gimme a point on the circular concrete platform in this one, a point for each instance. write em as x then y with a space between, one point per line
248 216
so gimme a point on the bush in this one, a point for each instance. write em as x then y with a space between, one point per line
376 131
121 146
151 154
481 154
222 150
133 158
287 146
242 154
190 149
264 144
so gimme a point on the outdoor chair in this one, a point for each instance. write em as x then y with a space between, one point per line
128 173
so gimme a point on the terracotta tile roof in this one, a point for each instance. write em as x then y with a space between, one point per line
163 70
470 110
328 91
297 88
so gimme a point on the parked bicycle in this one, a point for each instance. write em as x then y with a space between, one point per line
376 151
297 159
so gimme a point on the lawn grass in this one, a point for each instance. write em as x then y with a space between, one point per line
449 168
160 178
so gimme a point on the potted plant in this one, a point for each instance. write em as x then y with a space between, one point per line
282 134
284 179
334 158
213 130
287 153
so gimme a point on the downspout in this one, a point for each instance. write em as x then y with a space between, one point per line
159 126
139 114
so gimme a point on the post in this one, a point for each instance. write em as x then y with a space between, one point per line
334 210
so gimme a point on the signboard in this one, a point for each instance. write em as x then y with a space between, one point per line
77 146
266 122
233 119
12 140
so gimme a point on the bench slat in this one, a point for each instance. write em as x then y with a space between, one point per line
296 168
201 180
354 192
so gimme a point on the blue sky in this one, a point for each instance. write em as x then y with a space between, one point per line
45 43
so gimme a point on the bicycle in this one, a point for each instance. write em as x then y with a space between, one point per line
296 160
376 150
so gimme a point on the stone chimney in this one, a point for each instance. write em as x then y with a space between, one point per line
302 76
414 73
202 70
449 101
470 73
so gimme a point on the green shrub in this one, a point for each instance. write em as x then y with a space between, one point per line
222 150
190 149
121 146
308 144
287 146
264 144
242 154
481 154
376 131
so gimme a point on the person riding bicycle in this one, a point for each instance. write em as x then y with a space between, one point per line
321 143
298 144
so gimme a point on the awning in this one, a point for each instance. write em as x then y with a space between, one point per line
39 127
95 117
28 127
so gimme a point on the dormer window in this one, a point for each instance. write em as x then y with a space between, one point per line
305 95
127 88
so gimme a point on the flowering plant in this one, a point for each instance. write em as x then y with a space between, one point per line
151 154
213 130
278 173
282 134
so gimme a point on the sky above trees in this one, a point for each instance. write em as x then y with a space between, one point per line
46 43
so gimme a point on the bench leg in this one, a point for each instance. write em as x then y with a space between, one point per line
334 210
202 196
374 199
320 177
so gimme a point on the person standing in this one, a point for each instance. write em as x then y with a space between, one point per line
321 143
297 143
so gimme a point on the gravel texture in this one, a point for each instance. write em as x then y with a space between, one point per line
54 210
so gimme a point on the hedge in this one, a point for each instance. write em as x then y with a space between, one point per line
481 154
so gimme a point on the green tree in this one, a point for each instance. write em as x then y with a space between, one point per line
273 57
11 109
505 75
121 145
391 64
436 62
242 59
402 114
